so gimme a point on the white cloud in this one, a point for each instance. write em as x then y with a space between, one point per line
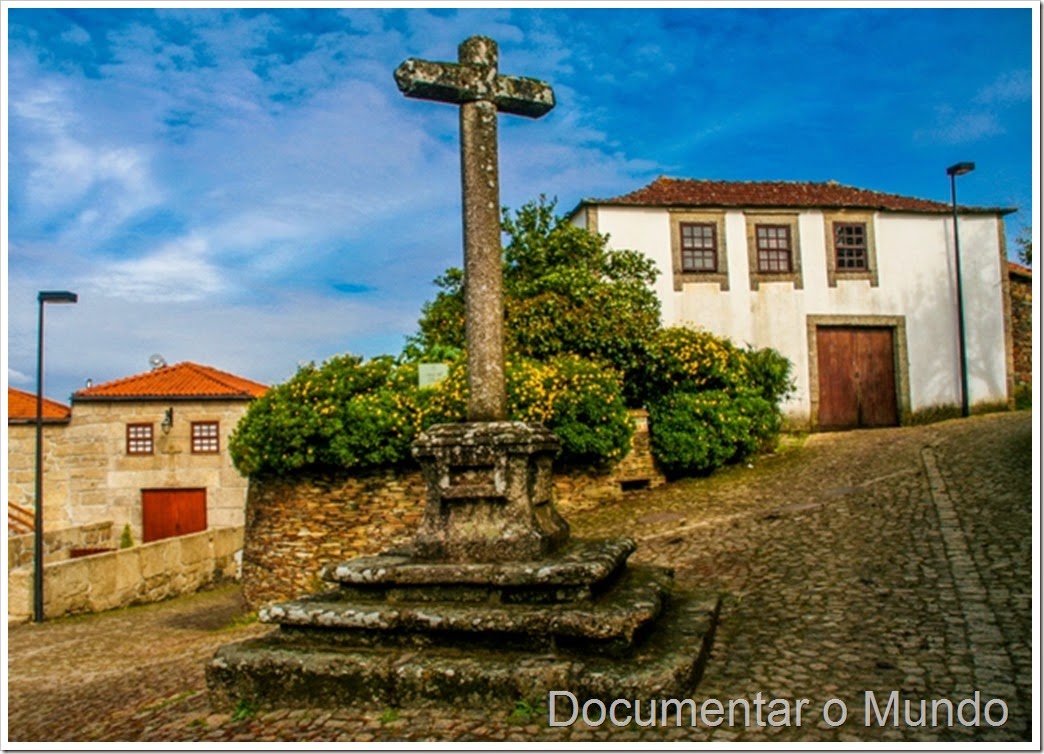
1008 88
178 271
14 377
953 127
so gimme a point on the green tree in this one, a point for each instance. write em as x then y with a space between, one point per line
1024 252
565 291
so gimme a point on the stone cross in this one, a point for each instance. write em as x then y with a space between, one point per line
474 84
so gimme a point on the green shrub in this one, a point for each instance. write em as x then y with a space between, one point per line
689 361
695 433
581 401
769 372
352 414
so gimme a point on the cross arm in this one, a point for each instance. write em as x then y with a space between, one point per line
457 84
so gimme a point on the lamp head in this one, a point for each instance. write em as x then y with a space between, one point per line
960 168
57 297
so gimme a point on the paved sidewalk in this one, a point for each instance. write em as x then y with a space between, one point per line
882 561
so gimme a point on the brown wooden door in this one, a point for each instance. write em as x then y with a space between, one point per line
856 377
172 513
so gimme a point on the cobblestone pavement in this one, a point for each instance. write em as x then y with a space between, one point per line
882 561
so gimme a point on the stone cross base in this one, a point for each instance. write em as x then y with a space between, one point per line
395 630
489 493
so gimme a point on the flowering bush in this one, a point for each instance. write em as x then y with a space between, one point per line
711 403
695 433
349 413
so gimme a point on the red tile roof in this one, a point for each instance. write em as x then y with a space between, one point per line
184 380
1014 268
685 192
21 408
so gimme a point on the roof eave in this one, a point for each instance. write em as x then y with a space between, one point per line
1000 211
158 398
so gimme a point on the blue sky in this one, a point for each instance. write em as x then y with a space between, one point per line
247 188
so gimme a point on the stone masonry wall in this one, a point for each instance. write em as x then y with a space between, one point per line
88 475
295 526
59 543
21 471
131 576
1022 328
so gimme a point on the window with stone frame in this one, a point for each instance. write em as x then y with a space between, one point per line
698 248
139 440
774 250
851 250
205 437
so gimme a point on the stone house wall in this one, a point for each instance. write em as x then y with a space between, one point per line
88 475
1021 287
21 470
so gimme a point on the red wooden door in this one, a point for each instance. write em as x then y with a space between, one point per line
856 377
172 513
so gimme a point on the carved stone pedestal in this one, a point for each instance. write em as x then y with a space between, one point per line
489 493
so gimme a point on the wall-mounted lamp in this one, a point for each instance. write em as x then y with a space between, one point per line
168 420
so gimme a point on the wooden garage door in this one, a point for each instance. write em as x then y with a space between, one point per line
172 513
856 377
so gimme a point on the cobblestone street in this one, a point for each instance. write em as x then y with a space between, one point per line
853 565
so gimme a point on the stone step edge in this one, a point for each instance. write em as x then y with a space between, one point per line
619 614
272 672
579 562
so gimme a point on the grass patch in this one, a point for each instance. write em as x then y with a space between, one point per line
239 621
526 712
389 715
245 710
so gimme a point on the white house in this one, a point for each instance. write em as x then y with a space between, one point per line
857 288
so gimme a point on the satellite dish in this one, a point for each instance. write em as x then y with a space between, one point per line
156 361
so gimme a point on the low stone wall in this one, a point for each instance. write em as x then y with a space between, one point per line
296 525
60 543
135 575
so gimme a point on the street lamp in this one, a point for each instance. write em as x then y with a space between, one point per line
44 297
953 171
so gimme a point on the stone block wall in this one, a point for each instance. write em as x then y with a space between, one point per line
58 544
1021 287
21 471
88 475
136 575
296 525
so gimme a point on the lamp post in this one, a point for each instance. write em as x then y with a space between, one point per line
44 297
953 171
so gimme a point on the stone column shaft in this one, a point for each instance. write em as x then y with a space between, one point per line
483 276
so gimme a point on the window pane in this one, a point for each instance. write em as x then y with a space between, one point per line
205 437
850 246
773 246
699 250
139 439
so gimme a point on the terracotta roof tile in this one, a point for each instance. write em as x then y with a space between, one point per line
1014 268
685 192
21 407
182 380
